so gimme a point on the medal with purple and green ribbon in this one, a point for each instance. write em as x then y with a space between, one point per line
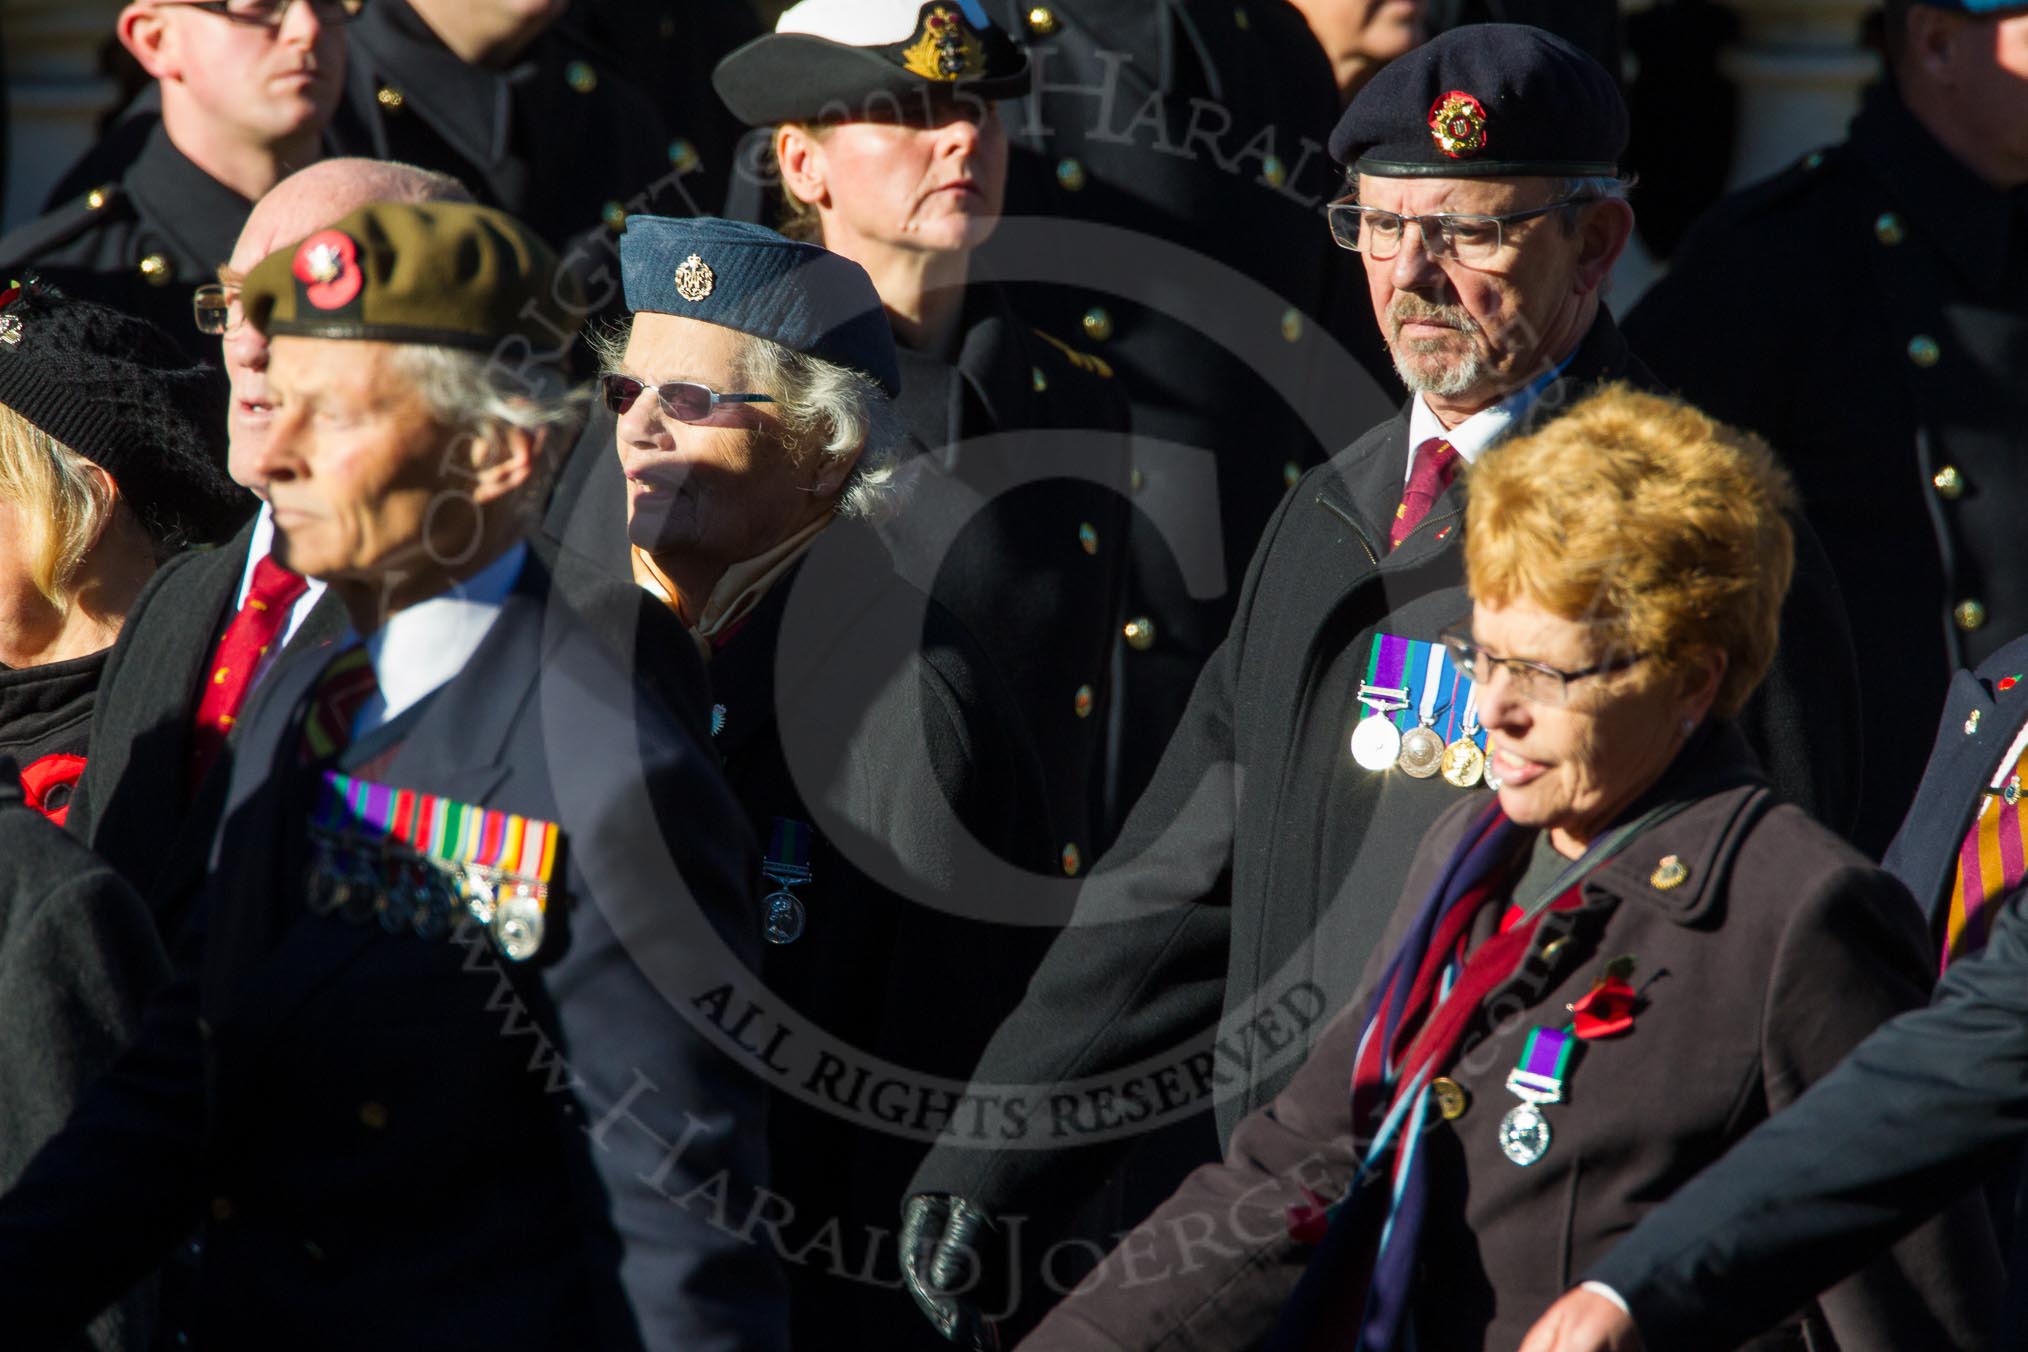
786 865
1536 1080
1376 741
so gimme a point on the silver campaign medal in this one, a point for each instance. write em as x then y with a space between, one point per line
1376 742
1524 1134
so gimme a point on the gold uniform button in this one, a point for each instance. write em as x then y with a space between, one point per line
1073 860
390 98
1071 175
1042 21
97 197
1949 484
1274 171
1040 381
373 1116
1087 536
580 76
1887 229
157 270
1083 700
1449 1097
1140 633
683 155
615 216
1291 471
1970 614
1292 325
1553 950
1098 323
1923 351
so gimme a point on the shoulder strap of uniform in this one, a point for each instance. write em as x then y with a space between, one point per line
108 202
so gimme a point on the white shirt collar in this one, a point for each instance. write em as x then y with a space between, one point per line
423 646
1479 433
263 544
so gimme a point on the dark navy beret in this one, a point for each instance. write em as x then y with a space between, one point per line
749 278
870 61
1486 99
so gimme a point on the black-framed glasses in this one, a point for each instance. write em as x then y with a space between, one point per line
684 400
270 13
1536 682
215 307
1465 237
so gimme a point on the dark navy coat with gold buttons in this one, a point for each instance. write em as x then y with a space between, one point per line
143 243
560 139
1016 521
401 1142
1867 312
1189 134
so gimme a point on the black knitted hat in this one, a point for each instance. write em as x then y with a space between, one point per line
119 392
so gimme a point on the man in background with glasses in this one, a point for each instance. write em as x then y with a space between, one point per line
1253 878
247 88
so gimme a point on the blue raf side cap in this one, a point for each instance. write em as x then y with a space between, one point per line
749 278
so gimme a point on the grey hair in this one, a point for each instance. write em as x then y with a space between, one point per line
476 393
823 406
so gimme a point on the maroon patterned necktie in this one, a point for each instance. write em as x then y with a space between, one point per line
1436 464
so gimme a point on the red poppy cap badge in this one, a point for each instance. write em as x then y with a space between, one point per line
1458 122
327 263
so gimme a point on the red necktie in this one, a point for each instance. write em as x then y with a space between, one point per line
1436 464
247 639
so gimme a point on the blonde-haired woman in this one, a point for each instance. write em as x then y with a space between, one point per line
1596 979
110 451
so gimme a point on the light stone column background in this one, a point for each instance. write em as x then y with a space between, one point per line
1799 66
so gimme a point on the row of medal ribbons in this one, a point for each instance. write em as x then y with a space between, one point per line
1419 714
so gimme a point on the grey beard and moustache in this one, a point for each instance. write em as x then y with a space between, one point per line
1456 378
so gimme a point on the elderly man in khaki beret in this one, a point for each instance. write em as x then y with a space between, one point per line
426 1077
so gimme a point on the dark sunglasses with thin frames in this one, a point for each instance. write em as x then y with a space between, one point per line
684 400
270 13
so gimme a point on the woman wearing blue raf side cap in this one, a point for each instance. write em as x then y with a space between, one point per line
891 152
862 730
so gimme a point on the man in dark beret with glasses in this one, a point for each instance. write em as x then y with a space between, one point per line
1237 910
245 89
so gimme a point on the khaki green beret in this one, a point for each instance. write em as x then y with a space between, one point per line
440 273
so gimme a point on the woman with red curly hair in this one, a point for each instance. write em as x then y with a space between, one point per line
1598 977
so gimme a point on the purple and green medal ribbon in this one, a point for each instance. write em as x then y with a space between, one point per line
1545 1060
788 849
450 833
1385 667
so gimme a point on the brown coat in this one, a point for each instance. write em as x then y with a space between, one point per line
1781 950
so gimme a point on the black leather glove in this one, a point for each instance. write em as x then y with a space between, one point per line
947 1253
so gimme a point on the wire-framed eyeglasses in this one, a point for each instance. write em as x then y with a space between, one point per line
1536 682
1466 237
270 13
684 400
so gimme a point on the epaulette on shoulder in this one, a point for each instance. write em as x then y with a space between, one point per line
66 223
1083 361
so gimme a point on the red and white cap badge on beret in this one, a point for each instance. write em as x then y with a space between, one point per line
327 263
1458 122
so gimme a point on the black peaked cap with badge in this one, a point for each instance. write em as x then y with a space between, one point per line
1487 100
747 277
870 60
118 391
448 274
